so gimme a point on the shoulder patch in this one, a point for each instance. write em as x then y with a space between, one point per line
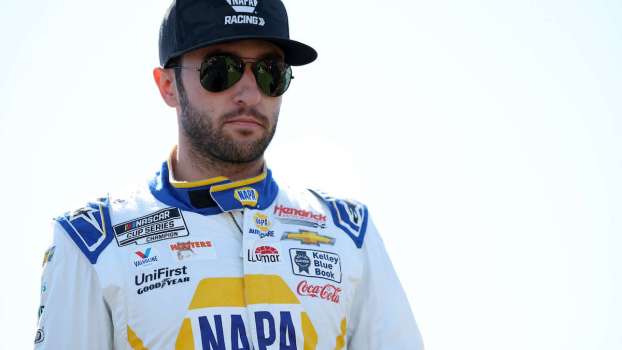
89 227
350 216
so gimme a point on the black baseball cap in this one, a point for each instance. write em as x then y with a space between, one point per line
192 24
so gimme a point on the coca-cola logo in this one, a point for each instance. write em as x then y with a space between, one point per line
326 292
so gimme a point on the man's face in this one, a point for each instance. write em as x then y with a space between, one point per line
232 126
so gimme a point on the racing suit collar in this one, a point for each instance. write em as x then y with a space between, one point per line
214 195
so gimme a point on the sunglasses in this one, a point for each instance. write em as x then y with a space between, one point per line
220 72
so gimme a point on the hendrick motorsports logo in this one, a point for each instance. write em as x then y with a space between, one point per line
164 224
244 6
302 217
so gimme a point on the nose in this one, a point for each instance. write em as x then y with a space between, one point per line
246 90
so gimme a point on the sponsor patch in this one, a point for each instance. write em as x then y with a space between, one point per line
40 312
145 258
308 237
326 292
301 217
49 254
316 263
262 226
40 336
246 10
160 278
263 254
275 319
165 224
193 250
247 196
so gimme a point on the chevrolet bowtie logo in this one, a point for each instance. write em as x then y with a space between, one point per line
308 237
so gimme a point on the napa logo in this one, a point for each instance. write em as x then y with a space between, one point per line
262 226
245 10
254 312
247 196
262 223
145 258
246 6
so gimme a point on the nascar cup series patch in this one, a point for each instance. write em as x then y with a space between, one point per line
164 224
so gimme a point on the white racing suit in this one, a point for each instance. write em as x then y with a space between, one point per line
216 264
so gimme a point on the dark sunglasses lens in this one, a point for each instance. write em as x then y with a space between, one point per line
218 73
273 77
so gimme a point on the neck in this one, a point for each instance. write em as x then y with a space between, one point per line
188 166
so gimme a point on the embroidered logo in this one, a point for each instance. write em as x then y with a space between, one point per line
246 13
247 196
308 237
145 258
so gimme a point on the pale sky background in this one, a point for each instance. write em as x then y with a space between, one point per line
484 136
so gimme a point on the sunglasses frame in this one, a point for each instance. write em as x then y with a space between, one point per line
242 63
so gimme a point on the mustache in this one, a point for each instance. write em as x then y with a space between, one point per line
246 112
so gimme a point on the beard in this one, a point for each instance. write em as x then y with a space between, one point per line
210 142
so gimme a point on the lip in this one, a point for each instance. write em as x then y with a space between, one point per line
244 121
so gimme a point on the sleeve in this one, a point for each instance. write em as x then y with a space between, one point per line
381 315
73 313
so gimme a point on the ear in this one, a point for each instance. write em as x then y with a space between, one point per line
165 80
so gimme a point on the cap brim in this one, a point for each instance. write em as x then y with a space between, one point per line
296 53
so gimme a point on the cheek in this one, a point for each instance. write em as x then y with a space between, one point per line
274 105
207 102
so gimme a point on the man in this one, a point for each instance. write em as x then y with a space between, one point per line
213 253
